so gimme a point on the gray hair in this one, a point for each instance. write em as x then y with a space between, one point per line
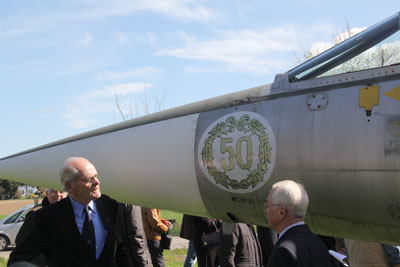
68 171
292 195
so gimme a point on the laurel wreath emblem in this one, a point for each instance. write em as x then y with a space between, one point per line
245 125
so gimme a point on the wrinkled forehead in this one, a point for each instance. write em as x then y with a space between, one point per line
84 167
88 170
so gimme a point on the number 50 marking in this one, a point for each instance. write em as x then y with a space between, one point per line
225 148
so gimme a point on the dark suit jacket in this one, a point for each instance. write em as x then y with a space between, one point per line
299 247
267 238
238 246
187 227
130 227
56 234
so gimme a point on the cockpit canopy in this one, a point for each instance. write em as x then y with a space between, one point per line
377 46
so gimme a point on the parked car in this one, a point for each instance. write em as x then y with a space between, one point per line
10 226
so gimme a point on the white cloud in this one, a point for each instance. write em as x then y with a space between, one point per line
142 72
256 51
319 47
123 38
25 30
182 9
85 40
25 23
146 38
345 35
79 123
84 109
110 91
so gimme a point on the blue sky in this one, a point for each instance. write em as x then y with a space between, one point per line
64 62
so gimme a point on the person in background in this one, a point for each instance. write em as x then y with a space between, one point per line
267 239
207 256
239 246
153 226
332 245
187 233
372 254
286 208
52 196
78 230
129 226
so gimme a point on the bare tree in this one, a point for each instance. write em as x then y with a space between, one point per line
384 54
132 107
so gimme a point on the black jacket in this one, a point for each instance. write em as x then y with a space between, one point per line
187 227
28 227
299 247
239 246
130 227
56 234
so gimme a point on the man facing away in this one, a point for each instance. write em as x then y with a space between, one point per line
129 226
239 246
286 208
78 230
153 226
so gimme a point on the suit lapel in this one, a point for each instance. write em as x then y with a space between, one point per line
103 213
67 223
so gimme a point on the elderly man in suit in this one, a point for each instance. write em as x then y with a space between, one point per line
78 230
286 208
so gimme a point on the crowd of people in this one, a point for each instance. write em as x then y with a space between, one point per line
80 226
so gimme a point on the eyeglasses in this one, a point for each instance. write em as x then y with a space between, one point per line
89 180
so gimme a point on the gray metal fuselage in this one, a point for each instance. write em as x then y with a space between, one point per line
338 135
349 162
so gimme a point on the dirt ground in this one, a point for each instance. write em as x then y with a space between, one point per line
9 206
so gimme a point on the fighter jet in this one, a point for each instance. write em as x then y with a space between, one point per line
331 123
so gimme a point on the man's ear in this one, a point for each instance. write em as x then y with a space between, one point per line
282 212
68 185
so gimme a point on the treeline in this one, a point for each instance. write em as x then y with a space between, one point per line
9 190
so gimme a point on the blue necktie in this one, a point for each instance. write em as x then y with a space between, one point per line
88 233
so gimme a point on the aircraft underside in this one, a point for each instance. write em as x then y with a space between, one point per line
339 135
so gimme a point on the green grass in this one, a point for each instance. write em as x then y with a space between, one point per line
167 214
175 258
172 258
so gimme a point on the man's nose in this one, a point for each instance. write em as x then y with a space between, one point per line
96 181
